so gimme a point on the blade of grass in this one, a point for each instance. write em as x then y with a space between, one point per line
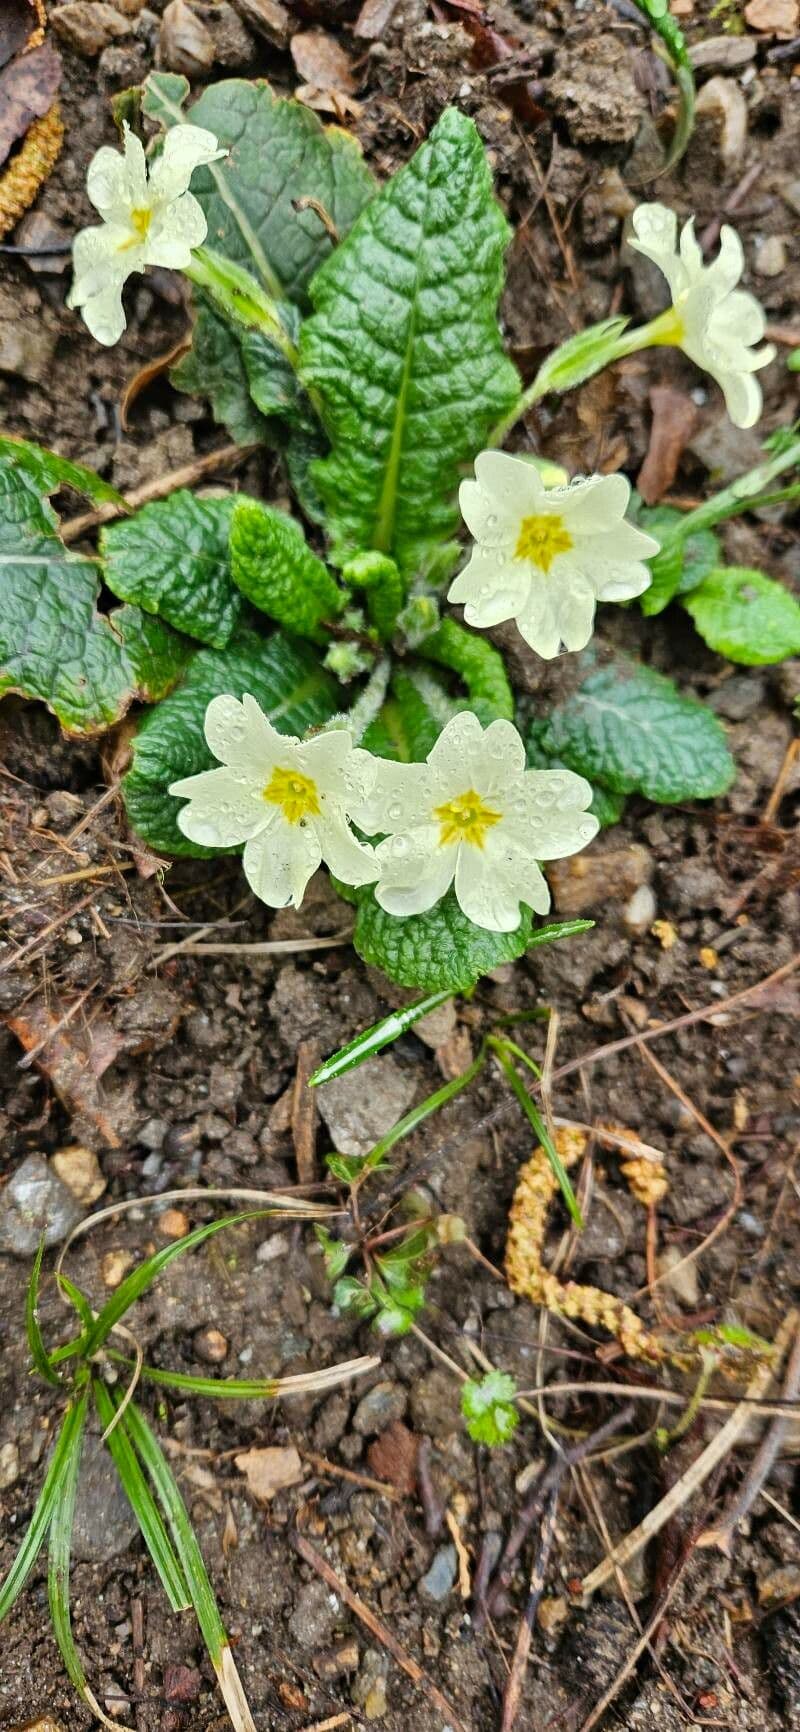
559 929
143 1277
43 1513
191 1559
58 1572
142 1502
535 1120
667 28
38 1351
419 1114
373 1039
254 1389
76 1298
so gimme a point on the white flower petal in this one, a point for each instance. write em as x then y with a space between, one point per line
554 821
415 871
398 794
490 883
574 603
104 315
347 858
491 515
594 505
743 319
325 758
500 760
490 590
174 231
117 183
537 621
727 269
240 734
514 484
186 148
222 810
655 229
278 862
743 397
451 760
618 580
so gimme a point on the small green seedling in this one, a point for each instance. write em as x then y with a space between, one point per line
489 1409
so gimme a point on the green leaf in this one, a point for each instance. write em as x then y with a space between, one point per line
279 154
682 563
336 1254
142 1277
404 352
36 1534
607 807
284 677
142 1502
480 665
631 729
54 645
412 718
273 565
49 472
172 559
215 368
488 1408
438 951
374 1039
746 616
59 1561
38 1351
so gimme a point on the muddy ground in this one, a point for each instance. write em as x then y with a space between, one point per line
179 1070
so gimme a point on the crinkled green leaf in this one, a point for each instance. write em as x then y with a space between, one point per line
681 564
54 645
283 675
279 153
488 1408
404 350
273 565
480 665
631 729
607 807
438 951
48 472
215 369
412 718
746 616
172 559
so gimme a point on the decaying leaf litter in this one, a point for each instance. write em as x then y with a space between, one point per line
211 1096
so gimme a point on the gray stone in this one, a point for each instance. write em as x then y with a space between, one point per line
314 1618
440 1578
381 1405
362 1106
770 259
35 1202
723 53
88 28
105 1524
185 44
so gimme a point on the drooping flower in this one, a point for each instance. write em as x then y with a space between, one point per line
288 800
148 219
714 323
544 556
473 815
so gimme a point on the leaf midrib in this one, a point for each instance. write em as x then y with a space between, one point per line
383 535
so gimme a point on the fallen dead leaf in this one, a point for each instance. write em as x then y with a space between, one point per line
774 17
22 25
375 17
675 419
329 102
146 375
230 1533
73 1060
321 61
393 1457
27 89
271 1470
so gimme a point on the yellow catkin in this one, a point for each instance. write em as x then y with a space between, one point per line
30 167
647 1177
536 1188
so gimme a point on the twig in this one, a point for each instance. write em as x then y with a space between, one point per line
691 1481
227 457
632 1661
269 947
304 1111
332 1469
33 1051
432 1506
378 1629
723 1532
770 812
516 1677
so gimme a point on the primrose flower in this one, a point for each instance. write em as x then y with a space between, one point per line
475 815
711 320
544 556
288 800
147 220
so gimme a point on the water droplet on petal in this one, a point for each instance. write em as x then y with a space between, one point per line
395 812
491 521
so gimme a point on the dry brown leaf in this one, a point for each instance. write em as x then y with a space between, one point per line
147 374
27 89
774 17
375 17
271 1470
22 25
73 1060
393 1457
30 168
675 419
321 61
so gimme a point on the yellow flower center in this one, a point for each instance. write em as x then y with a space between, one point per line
541 539
465 819
296 795
140 221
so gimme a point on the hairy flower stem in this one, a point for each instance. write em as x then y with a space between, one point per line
240 298
747 493
665 329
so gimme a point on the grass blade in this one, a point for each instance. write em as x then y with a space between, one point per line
143 1504
58 1570
417 1116
559 929
538 1125
143 1277
43 1514
374 1039
191 1559
38 1351
256 1389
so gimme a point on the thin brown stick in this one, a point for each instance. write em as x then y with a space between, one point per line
377 1629
646 1637
333 1470
723 1532
227 457
304 1111
771 809
267 947
519 1663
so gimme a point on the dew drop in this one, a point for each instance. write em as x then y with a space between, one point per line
395 812
491 521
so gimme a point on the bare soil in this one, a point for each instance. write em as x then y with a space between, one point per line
179 1070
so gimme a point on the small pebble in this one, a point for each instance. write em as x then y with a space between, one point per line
79 1170
173 1224
770 256
9 1465
640 912
376 1410
210 1345
115 1266
35 1202
440 1578
185 44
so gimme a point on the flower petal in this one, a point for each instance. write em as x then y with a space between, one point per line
347 858
574 601
325 759
491 882
117 182
491 586
415 871
240 734
555 820
278 862
396 799
743 396
594 505
103 314
618 579
656 231
174 231
452 758
536 622
500 759
222 809
186 148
